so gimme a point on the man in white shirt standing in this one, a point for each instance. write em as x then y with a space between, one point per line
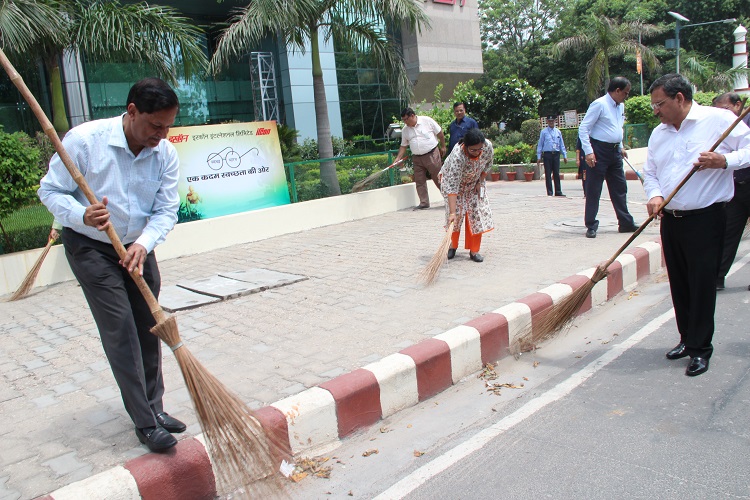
426 140
133 170
694 221
601 138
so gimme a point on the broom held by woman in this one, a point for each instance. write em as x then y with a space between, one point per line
133 171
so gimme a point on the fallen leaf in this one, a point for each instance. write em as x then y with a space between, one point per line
418 453
383 430
298 477
373 451
526 379
536 363
351 493
488 372
408 426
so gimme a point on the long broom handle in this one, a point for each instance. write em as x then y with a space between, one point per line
48 129
669 198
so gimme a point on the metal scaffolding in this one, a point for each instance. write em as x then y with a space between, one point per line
263 80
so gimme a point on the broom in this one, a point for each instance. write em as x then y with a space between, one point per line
370 179
640 178
559 316
432 269
241 451
28 282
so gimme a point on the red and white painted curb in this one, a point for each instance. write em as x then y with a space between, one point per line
314 421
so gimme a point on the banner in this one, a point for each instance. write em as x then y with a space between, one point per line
228 168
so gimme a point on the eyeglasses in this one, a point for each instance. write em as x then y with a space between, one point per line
657 105
474 150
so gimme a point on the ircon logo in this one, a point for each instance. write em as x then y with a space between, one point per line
263 131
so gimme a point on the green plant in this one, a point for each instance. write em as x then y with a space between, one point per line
508 137
20 173
288 142
530 129
513 154
309 148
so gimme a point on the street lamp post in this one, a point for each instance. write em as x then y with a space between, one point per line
679 19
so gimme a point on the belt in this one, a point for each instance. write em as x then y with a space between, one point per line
550 152
685 213
428 152
606 144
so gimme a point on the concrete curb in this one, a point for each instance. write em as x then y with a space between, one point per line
314 421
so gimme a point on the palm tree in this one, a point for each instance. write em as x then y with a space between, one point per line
351 24
103 31
608 38
709 76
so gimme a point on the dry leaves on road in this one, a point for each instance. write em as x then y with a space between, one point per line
418 453
496 388
373 451
488 372
310 466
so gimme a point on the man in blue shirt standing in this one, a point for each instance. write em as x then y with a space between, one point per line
601 138
549 148
462 124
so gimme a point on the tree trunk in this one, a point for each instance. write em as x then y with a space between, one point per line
325 144
59 117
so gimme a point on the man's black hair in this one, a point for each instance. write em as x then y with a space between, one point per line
151 95
618 83
407 112
671 84
459 103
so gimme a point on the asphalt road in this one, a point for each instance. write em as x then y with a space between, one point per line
601 414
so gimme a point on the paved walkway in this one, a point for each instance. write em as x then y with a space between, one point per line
61 417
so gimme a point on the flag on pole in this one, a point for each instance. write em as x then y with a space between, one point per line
638 66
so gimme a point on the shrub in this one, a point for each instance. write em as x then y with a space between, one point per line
508 138
309 148
530 129
514 153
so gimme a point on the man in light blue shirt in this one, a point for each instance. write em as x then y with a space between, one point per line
601 134
549 148
133 171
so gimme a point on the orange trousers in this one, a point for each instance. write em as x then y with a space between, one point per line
472 241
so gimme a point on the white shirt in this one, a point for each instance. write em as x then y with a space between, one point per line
672 152
603 122
422 137
141 191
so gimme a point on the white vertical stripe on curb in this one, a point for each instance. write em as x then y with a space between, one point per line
311 420
518 316
466 353
114 484
557 292
654 255
629 271
599 293
397 377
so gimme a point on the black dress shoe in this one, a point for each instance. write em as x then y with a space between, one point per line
421 207
697 366
591 233
476 257
170 423
627 229
560 194
679 351
451 253
156 438
720 283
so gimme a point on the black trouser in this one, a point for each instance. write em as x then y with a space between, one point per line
738 210
692 247
124 322
608 167
552 169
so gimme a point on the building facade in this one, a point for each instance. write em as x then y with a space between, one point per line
274 82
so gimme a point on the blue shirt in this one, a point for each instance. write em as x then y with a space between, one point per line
550 139
458 130
141 190
603 121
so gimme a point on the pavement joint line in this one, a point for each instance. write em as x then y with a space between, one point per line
317 419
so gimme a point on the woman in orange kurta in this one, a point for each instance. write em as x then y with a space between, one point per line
462 185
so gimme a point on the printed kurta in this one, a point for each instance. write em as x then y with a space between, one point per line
460 176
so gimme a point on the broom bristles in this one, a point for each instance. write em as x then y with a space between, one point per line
556 318
241 450
368 181
431 271
28 282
